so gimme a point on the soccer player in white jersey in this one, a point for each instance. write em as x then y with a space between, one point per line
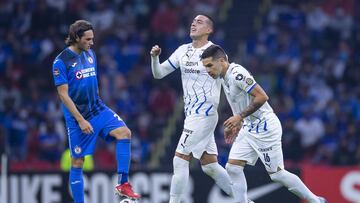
254 127
201 98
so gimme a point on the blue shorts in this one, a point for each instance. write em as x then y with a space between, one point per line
82 144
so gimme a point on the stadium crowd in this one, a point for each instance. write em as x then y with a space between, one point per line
306 56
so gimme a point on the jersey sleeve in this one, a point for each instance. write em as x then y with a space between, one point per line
174 60
243 79
59 72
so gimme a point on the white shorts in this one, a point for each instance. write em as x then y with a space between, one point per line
249 146
198 135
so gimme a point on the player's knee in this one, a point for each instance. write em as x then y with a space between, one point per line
234 170
180 165
77 162
212 169
206 158
121 133
279 175
127 133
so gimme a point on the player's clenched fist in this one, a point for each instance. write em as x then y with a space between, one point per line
155 51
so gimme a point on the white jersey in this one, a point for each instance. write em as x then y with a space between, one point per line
237 83
201 91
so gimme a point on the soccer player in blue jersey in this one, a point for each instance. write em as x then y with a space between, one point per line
86 116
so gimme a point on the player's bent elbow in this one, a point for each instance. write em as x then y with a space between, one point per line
158 76
266 98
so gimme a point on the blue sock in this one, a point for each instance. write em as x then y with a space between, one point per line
123 155
77 184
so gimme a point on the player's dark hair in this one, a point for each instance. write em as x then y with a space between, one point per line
214 51
76 30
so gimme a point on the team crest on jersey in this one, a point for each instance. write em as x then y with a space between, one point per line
78 74
90 60
249 81
77 150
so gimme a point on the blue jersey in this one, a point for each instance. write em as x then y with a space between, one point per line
79 72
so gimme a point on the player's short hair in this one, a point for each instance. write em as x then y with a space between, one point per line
76 30
214 51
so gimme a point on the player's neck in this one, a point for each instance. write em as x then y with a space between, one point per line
75 49
225 69
197 43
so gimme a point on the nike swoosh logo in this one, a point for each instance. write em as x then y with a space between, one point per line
75 182
263 190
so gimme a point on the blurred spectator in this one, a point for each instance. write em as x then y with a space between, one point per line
49 143
17 134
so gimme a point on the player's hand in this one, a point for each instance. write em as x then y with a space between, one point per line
230 134
86 127
234 121
155 51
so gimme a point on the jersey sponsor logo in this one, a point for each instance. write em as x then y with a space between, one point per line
191 63
265 149
187 131
84 73
190 70
77 150
249 81
90 60
56 72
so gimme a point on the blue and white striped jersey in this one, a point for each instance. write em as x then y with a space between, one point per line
237 83
201 91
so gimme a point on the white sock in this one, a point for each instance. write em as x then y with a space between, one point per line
239 185
179 179
219 174
294 185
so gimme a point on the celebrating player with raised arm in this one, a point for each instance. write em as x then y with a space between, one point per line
260 129
201 99
86 116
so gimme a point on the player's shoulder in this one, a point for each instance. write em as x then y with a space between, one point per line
184 47
237 70
59 59
64 56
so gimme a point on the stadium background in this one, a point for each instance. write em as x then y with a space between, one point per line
305 54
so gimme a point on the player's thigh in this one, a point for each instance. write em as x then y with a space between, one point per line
243 150
112 126
197 132
80 144
271 156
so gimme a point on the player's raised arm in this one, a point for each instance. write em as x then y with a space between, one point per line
159 70
84 125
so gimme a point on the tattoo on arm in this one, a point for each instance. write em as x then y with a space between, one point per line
253 106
